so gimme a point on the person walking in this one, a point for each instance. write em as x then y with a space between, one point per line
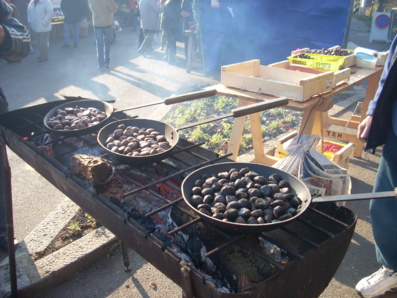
102 17
149 11
377 129
14 46
40 13
74 11
171 24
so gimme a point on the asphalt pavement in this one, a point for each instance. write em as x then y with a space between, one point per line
133 80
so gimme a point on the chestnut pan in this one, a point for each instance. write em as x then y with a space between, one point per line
171 133
104 105
165 129
100 105
299 189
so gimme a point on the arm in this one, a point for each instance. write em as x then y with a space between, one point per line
48 13
365 125
14 37
112 6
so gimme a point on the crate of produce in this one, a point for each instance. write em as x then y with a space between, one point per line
317 61
339 77
297 86
348 56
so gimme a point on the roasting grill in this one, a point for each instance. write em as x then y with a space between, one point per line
314 244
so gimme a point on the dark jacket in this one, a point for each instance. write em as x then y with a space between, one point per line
381 107
16 43
74 10
17 39
170 21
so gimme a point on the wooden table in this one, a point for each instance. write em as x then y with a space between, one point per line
315 119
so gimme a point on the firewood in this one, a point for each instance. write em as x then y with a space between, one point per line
92 168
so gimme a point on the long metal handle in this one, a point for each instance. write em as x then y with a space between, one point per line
259 107
177 99
190 96
243 111
357 197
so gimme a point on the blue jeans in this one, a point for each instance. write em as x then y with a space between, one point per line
384 211
66 33
103 37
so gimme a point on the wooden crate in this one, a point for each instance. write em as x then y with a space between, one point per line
339 77
298 86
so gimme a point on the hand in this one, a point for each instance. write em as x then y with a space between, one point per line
185 14
363 129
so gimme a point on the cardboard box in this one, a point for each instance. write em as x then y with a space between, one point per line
298 86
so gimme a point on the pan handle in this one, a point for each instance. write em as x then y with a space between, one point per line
357 197
190 96
260 106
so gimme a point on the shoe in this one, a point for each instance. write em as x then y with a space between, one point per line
66 46
102 68
377 283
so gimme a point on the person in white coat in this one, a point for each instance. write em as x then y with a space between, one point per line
40 13
149 11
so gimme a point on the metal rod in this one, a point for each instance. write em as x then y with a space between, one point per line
5 180
126 258
171 176
184 226
357 197
243 111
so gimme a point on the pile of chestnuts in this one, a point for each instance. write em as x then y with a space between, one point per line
136 141
76 118
243 196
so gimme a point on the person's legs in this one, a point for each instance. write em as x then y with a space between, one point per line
99 46
146 46
76 34
43 38
171 47
384 225
66 35
108 35
384 212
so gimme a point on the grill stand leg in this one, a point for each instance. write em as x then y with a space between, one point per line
5 180
126 258
187 287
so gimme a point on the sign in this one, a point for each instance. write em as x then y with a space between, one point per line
380 27
382 21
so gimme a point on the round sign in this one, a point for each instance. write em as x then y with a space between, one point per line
382 21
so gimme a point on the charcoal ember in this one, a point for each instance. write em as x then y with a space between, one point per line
96 170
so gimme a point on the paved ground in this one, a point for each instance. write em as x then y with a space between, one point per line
133 81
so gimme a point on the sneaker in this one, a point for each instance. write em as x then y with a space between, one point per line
378 283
